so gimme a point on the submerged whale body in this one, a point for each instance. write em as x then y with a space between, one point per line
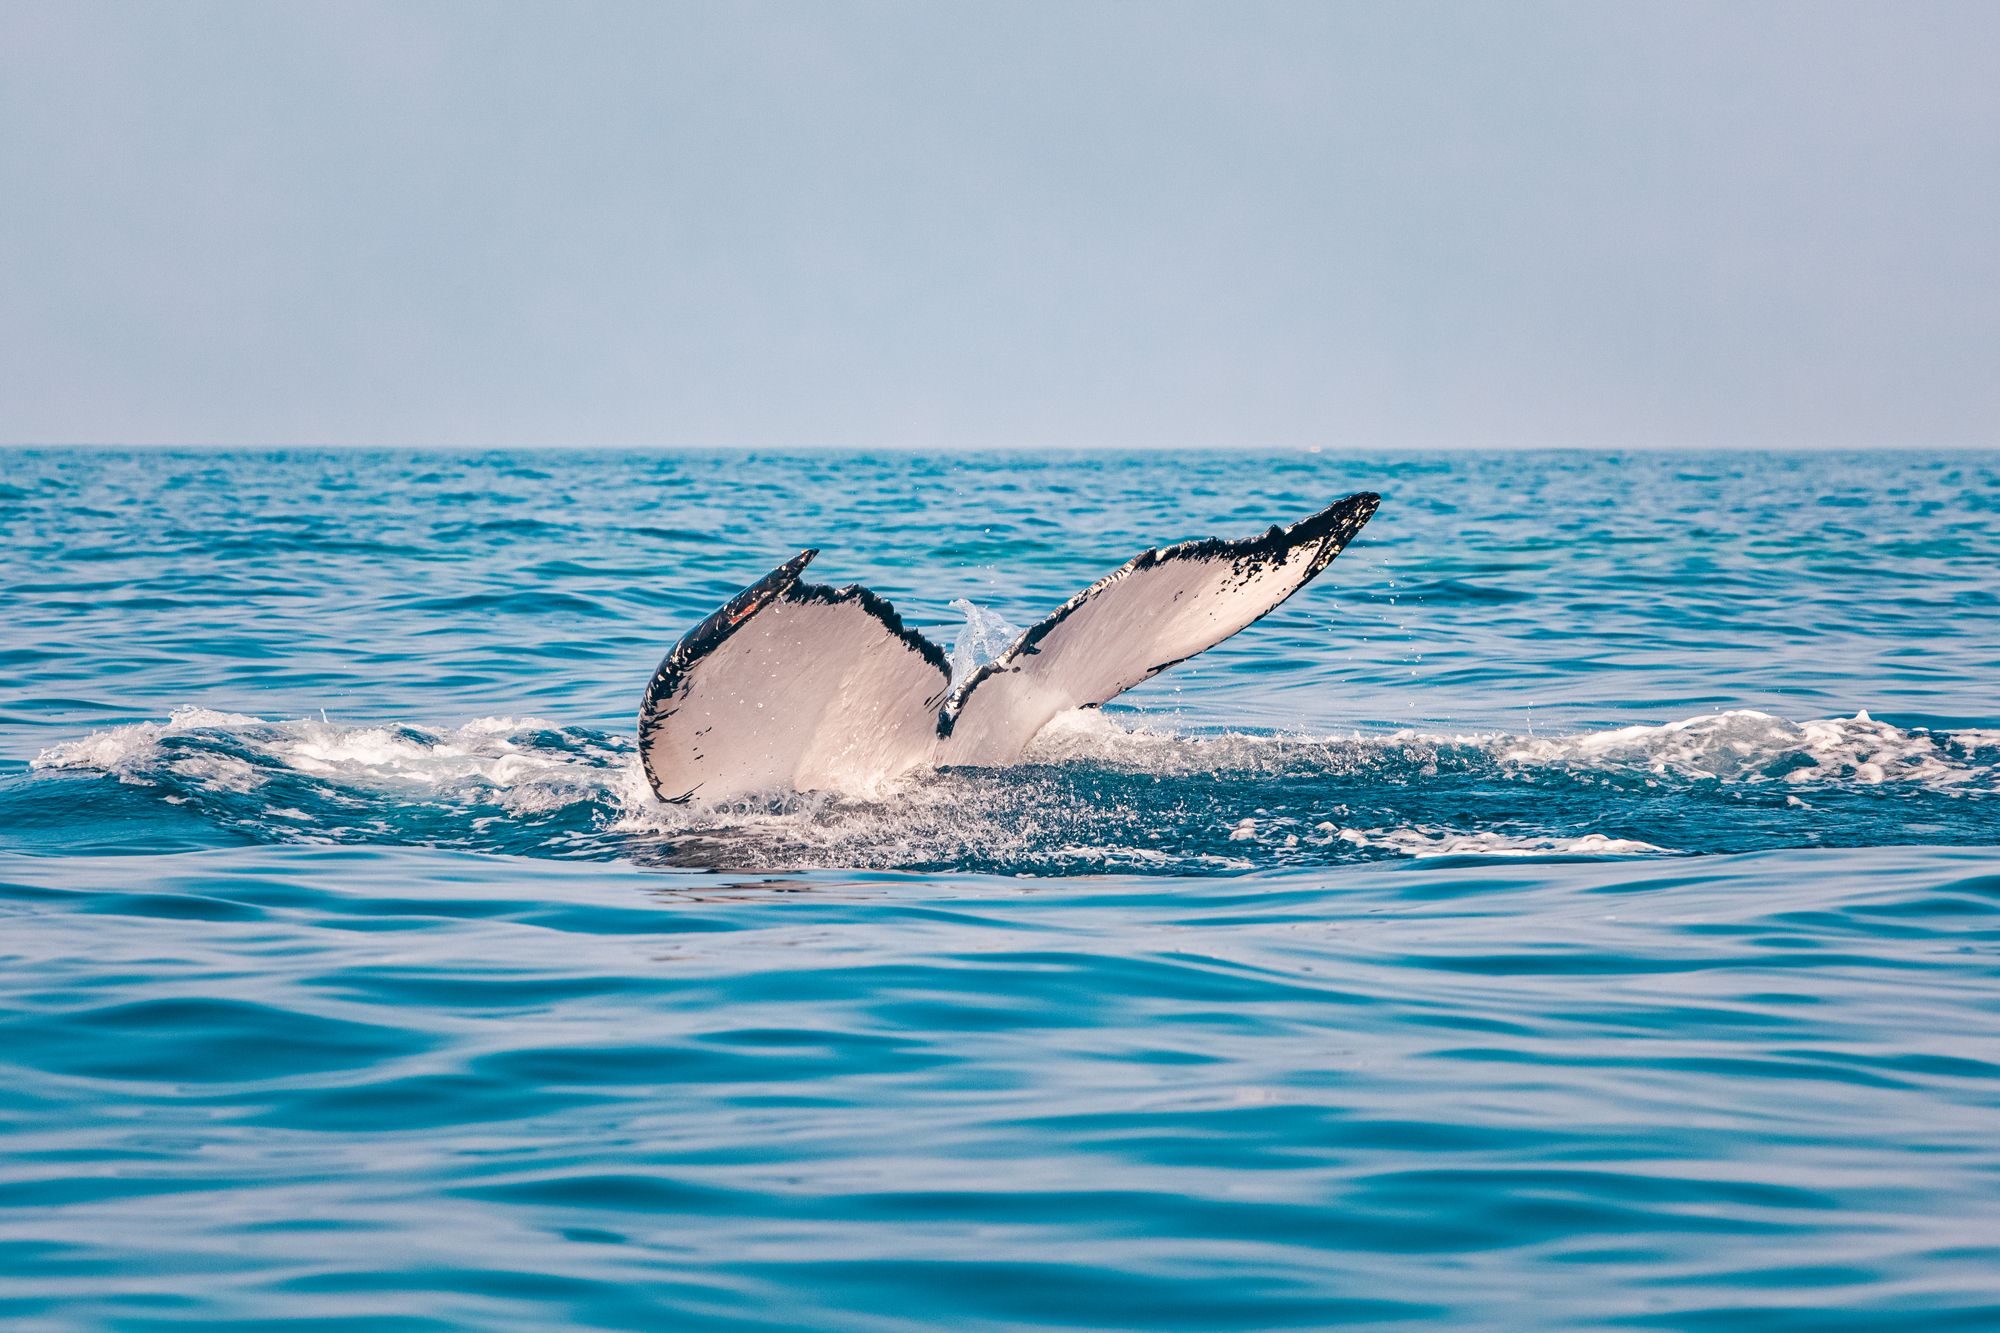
793 686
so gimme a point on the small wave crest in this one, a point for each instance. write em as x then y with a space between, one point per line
1093 796
495 783
1744 746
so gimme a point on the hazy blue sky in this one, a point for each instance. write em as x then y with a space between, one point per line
1014 224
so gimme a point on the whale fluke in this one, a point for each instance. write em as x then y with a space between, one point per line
792 686
795 686
1159 609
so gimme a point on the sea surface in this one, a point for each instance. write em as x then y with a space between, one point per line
1580 908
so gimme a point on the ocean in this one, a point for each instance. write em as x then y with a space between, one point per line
1579 908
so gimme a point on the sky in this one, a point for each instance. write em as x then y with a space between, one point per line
1141 224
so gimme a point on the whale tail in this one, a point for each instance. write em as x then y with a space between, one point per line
796 686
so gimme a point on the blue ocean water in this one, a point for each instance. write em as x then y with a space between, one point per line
1580 908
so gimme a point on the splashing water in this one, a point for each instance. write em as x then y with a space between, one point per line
983 637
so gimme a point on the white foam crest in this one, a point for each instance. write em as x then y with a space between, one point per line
1090 736
117 750
1283 833
1425 840
500 754
512 754
1746 746
218 772
1738 746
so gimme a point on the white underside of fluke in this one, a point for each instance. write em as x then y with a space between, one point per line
797 687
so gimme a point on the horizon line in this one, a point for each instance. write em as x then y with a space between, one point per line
1651 447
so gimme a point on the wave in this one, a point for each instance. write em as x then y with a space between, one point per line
1096 795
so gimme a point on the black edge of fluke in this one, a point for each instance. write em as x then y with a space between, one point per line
703 639
1333 526
877 606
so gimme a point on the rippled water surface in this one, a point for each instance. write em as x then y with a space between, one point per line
1580 908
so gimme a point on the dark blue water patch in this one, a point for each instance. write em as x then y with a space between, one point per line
539 604
41 815
417 1103
196 1039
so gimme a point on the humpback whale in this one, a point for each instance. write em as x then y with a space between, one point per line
793 686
